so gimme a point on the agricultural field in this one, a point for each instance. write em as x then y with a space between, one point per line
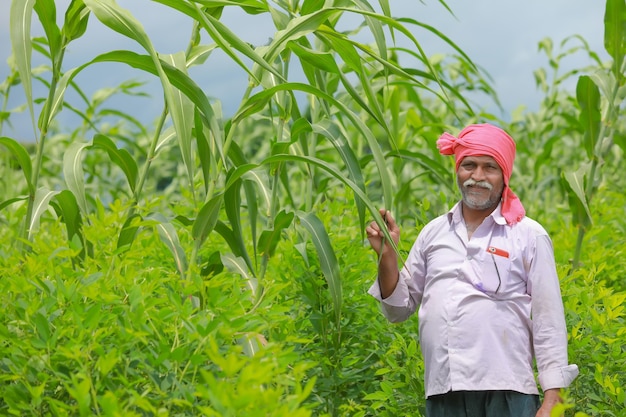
218 266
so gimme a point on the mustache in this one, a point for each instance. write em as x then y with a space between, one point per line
483 184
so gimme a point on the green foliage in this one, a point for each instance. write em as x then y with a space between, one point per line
122 337
212 266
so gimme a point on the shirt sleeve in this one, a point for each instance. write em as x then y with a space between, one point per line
548 318
407 295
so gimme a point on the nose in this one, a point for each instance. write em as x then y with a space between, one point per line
478 174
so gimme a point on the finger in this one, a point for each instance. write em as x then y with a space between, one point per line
391 222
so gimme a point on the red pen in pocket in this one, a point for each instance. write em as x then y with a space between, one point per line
497 251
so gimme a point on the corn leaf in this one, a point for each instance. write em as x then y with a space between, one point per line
40 205
327 258
46 11
120 157
239 266
22 157
269 238
206 219
182 110
20 23
588 97
615 34
169 237
73 173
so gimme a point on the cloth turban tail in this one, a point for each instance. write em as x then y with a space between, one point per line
486 139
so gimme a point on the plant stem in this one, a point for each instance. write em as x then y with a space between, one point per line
45 124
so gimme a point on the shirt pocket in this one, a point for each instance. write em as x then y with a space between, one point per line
493 270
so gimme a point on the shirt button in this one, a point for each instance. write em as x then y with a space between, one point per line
469 257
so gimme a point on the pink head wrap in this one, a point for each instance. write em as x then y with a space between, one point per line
486 139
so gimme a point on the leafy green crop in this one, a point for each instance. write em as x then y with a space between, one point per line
212 265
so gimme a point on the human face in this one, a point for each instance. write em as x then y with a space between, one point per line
481 182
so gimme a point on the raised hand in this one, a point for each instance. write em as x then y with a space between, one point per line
376 236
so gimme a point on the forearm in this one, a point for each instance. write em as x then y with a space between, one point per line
551 397
388 273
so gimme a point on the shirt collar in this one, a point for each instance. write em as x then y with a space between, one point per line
455 215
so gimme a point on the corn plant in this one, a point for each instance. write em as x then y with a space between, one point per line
343 126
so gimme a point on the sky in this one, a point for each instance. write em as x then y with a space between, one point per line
500 36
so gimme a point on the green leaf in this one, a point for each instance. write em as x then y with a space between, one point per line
238 266
120 20
69 213
59 93
269 238
206 219
438 171
576 183
260 100
20 23
331 131
120 157
588 96
297 28
43 326
232 206
243 169
40 205
10 201
182 112
76 20
615 33
327 258
46 11
74 174
178 79
311 57
22 157
168 235
230 43
226 39
311 6
129 232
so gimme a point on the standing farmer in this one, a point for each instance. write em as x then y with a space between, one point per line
483 280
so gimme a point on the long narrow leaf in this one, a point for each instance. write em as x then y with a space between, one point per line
10 201
41 204
22 157
232 206
259 100
46 11
206 219
122 21
615 34
576 182
327 258
238 266
20 23
243 169
269 239
181 109
76 19
74 174
169 237
120 157
588 97
330 131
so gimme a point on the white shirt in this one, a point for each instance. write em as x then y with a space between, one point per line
475 300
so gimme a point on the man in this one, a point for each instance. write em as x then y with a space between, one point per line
484 279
